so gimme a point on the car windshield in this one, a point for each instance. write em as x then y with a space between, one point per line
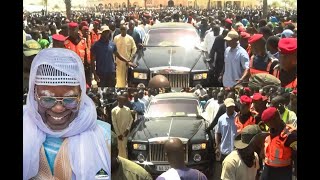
174 108
172 37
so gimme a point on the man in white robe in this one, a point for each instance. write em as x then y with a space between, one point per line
122 121
127 48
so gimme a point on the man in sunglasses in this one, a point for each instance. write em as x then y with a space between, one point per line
62 138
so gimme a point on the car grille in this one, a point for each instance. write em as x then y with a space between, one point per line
157 153
176 80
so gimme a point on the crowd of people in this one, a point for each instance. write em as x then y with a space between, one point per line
258 42
84 61
127 107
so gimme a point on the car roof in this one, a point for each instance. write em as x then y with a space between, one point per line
176 95
172 25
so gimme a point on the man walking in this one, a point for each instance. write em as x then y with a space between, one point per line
236 67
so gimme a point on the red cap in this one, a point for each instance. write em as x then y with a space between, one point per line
287 45
241 29
85 28
58 37
73 25
269 114
255 38
245 35
258 97
96 22
245 100
288 22
247 89
84 23
228 21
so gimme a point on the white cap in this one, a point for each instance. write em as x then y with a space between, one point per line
57 67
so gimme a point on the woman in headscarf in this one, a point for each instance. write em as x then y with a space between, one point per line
62 138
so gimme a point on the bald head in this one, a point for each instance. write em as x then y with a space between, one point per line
175 151
123 30
173 145
231 95
112 26
277 100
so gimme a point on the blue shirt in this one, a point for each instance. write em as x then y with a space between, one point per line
138 106
104 56
236 61
52 144
135 35
276 55
228 130
261 62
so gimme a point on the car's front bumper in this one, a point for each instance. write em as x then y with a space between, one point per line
202 166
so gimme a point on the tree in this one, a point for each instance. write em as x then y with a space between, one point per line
68 8
275 4
45 2
292 3
265 8
285 3
56 7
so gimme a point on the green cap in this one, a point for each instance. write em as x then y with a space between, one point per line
248 135
44 43
31 47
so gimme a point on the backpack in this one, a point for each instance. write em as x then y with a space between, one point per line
262 80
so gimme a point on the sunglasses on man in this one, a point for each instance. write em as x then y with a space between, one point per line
48 101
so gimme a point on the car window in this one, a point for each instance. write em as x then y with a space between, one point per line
172 37
174 107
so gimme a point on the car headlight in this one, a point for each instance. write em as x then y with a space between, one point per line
199 146
200 76
140 158
197 157
138 75
139 147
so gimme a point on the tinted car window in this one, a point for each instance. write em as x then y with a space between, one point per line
173 107
172 37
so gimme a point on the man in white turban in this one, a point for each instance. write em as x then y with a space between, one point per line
62 138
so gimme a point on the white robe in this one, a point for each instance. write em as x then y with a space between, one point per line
211 110
121 121
127 48
171 174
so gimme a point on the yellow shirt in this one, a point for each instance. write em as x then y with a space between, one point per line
233 168
129 170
